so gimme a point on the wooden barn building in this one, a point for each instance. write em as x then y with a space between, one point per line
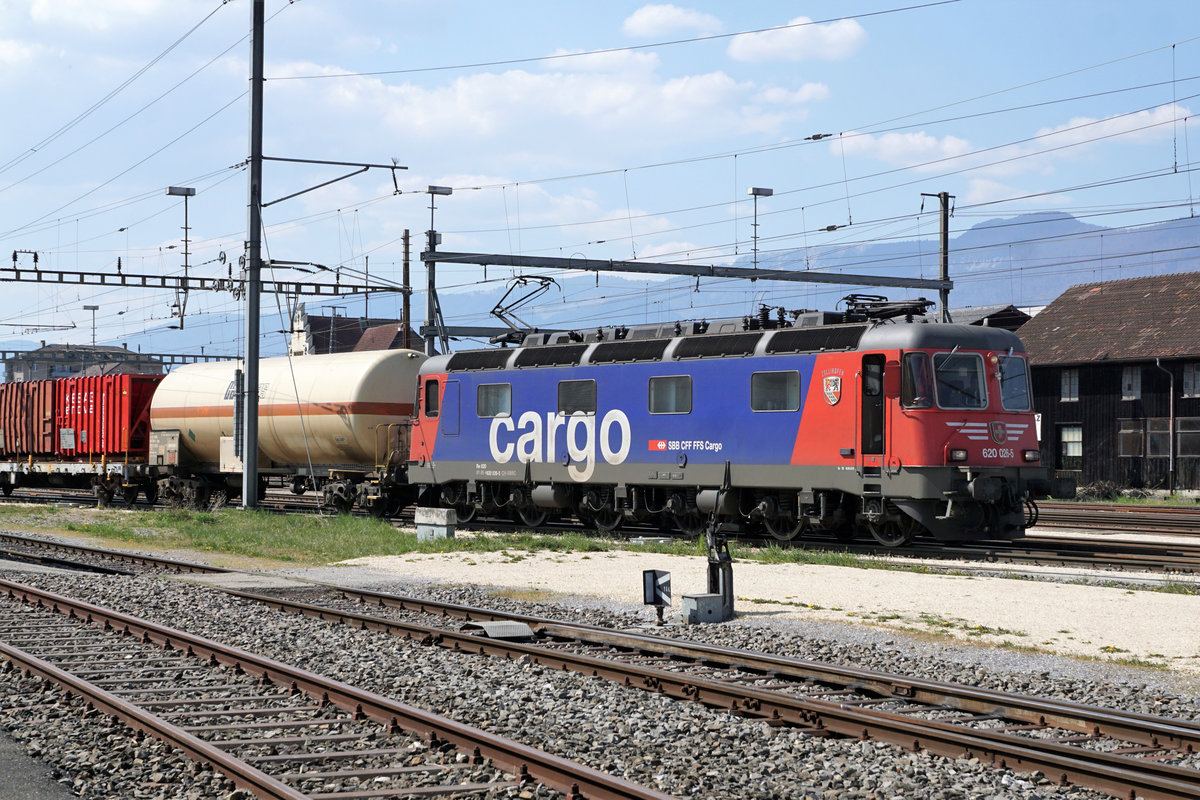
1116 381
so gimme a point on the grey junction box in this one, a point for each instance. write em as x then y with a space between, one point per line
435 523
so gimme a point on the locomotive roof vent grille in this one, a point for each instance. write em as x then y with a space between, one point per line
479 359
732 344
642 350
550 356
811 340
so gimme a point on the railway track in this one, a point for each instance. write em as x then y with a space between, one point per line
1120 753
276 730
1171 520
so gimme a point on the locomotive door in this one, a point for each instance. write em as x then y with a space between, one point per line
871 427
450 409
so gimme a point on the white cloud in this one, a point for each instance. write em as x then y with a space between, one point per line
903 149
1141 126
567 107
805 94
666 19
805 41
13 53
92 15
982 190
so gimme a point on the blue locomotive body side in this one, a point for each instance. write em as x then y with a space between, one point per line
718 425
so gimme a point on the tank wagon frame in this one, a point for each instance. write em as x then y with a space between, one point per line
835 423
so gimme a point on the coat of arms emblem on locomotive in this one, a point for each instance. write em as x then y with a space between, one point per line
833 389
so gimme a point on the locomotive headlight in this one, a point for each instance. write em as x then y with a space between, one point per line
1032 455
958 454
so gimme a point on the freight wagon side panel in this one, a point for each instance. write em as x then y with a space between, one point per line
104 415
27 418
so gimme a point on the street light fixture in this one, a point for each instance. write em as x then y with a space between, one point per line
757 192
431 270
93 309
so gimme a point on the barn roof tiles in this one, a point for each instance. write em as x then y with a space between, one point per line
1129 320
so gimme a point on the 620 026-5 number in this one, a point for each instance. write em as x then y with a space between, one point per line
998 452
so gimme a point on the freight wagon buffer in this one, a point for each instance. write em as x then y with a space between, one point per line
888 427
336 422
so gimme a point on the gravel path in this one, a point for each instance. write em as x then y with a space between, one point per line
682 749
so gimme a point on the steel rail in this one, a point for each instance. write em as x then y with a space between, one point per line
242 774
573 779
1113 773
120 556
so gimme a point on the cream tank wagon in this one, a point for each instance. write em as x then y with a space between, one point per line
339 423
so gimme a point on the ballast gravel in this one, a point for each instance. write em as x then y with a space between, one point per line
682 749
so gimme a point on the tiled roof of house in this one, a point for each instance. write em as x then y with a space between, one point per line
1130 320
387 337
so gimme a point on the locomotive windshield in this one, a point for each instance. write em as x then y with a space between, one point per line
1014 383
959 380
917 390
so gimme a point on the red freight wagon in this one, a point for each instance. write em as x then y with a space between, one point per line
27 418
104 415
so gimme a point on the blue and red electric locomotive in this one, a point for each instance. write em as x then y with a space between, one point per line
897 427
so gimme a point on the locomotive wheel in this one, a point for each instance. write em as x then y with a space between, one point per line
893 534
532 516
607 520
785 529
691 523
464 512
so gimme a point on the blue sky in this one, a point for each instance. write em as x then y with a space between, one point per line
644 150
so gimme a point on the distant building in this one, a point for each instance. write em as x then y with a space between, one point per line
314 334
69 360
1008 317
1116 381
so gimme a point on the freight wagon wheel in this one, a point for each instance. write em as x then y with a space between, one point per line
532 516
785 529
7 488
151 491
129 494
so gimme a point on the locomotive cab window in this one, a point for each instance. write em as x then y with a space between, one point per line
958 379
1014 383
671 394
775 391
493 400
431 398
917 388
576 397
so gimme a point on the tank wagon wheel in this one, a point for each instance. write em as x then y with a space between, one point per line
785 528
532 516
7 488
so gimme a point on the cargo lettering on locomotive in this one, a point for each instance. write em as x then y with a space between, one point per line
539 444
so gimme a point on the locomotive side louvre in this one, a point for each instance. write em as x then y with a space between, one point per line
743 424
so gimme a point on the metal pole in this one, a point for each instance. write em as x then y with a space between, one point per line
253 261
185 241
945 247
367 280
406 316
430 284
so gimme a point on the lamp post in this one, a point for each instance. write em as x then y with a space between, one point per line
93 309
757 192
185 192
431 271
